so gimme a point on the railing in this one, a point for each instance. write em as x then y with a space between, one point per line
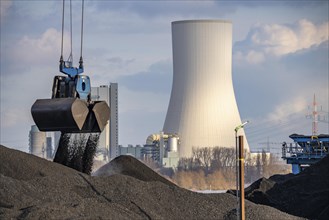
295 150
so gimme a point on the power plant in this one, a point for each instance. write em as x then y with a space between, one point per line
39 144
202 110
109 137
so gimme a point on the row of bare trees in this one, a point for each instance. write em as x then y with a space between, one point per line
214 168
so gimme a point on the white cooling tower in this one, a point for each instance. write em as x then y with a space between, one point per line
202 108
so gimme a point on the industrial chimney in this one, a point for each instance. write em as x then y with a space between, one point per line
202 108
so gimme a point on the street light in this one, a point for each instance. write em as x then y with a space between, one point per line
236 166
240 126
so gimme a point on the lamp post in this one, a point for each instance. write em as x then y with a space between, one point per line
236 167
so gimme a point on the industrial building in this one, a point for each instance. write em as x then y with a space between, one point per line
39 144
108 141
162 148
202 110
135 151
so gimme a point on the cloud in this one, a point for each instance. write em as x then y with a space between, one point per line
283 39
277 40
43 50
284 110
4 7
255 57
38 10
119 62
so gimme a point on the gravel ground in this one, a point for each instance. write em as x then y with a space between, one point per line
34 188
305 194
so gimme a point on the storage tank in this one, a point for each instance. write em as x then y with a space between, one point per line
37 142
202 108
172 144
49 148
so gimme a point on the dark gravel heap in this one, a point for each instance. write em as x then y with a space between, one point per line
305 194
34 188
130 166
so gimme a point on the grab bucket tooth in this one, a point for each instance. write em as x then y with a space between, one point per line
102 114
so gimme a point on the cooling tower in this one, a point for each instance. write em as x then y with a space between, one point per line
202 108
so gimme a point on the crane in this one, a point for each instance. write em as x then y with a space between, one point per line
70 109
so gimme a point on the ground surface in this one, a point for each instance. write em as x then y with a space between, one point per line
34 188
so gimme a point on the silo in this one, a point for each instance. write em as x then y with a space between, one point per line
49 148
202 108
172 144
37 142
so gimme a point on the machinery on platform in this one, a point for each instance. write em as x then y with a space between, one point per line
305 151
70 109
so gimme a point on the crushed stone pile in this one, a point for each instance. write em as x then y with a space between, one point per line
130 166
305 194
34 188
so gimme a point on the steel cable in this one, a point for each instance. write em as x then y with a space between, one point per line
62 31
82 15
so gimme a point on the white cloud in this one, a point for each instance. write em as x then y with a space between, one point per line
284 110
255 57
280 40
276 40
41 49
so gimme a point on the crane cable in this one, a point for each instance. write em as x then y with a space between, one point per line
71 32
61 59
70 59
83 2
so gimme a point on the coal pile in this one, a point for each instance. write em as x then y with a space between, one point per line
305 194
34 188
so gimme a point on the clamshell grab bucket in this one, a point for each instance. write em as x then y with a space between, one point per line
61 114
70 115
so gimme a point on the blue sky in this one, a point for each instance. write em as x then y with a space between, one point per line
280 59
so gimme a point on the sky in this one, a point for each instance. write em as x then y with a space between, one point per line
280 60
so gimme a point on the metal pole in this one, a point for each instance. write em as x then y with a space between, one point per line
238 210
236 174
241 178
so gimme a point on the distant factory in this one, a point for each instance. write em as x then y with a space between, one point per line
108 141
39 144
